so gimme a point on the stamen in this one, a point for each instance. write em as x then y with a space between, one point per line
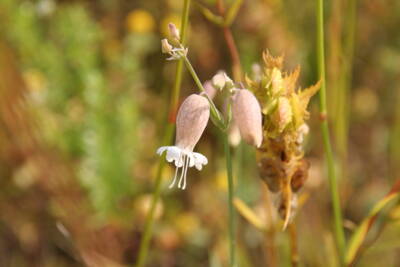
183 176
176 172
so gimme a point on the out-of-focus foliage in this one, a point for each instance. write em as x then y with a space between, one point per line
84 93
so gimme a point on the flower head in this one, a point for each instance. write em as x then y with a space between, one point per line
191 121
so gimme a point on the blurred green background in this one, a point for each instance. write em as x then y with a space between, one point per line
84 95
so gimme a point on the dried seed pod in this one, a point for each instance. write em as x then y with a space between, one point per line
271 172
300 175
247 114
191 121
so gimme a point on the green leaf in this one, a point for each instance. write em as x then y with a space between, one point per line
362 230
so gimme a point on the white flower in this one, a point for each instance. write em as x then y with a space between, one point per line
191 120
182 158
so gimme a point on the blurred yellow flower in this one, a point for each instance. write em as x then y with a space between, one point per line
140 21
186 223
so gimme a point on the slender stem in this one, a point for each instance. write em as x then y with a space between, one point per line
179 66
232 239
346 79
230 42
145 241
220 122
339 232
214 111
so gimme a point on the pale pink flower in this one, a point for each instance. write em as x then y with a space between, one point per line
191 121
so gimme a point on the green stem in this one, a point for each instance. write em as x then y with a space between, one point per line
232 242
200 86
339 232
145 241
346 79
148 229
219 122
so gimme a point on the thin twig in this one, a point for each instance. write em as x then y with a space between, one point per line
232 238
339 232
230 42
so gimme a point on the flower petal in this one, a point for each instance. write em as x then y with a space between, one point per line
199 160
174 154
161 150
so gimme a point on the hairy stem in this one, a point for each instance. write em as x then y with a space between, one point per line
145 241
339 232
232 238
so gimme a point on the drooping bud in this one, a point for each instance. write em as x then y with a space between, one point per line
247 114
191 121
166 48
283 114
173 31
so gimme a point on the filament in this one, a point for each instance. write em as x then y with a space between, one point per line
182 179
176 172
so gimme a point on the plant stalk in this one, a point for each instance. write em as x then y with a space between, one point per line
215 114
148 229
230 42
232 238
333 184
145 241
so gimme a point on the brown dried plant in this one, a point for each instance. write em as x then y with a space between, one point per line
281 156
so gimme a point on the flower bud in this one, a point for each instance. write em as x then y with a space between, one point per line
247 114
166 48
220 80
191 121
173 31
